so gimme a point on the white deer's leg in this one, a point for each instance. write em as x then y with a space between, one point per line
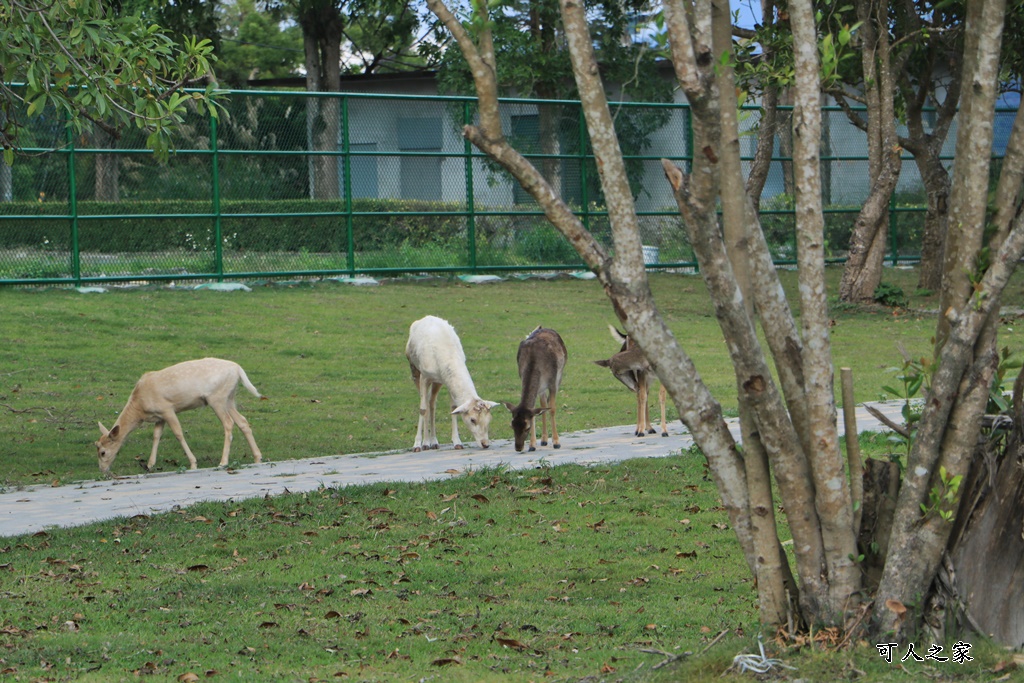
158 429
417 445
229 427
432 442
456 441
172 421
243 424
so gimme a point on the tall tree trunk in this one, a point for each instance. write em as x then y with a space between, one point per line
868 244
950 422
107 182
930 86
833 503
768 126
936 220
322 26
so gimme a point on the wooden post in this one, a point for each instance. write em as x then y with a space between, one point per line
853 457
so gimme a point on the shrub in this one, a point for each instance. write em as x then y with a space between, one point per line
289 225
890 295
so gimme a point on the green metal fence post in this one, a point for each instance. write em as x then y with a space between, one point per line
76 255
346 154
584 195
470 214
218 249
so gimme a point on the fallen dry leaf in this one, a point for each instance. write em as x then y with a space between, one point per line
510 642
445 661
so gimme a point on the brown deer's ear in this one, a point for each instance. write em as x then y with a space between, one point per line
115 431
103 430
603 363
508 405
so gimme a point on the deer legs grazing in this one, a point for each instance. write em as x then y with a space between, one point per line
631 367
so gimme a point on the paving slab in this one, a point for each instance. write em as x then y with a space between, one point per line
32 509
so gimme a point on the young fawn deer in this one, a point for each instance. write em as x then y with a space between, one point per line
631 367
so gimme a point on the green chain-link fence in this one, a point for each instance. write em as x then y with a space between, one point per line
295 184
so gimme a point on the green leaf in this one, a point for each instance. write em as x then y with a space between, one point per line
37 105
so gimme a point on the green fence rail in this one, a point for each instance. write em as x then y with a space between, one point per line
295 185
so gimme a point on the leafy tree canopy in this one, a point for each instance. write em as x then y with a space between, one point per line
256 43
89 63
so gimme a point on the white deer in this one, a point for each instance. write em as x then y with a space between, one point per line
631 367
541 360
159 396
436 357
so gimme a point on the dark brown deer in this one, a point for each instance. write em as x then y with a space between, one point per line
541 360
631 367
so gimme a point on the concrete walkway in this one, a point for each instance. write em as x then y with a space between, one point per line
32 509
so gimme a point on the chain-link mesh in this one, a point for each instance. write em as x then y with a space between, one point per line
292 184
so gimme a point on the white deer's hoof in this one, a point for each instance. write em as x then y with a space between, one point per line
458 447
416 449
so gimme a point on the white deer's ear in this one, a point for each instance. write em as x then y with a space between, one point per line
103 430
490 404
463 408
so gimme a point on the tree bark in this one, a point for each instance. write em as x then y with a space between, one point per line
832 503
107 183
322 27
868 244
990 594
926 147
950 422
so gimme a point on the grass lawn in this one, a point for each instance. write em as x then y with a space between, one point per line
627 572
330 360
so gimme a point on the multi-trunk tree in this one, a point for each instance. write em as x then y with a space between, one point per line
790 434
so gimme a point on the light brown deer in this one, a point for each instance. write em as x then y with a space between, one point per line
541 358
631 367
159 396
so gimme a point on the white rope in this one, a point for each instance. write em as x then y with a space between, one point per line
758 663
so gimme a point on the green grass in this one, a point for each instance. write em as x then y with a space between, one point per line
330 359
608 573
552 574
